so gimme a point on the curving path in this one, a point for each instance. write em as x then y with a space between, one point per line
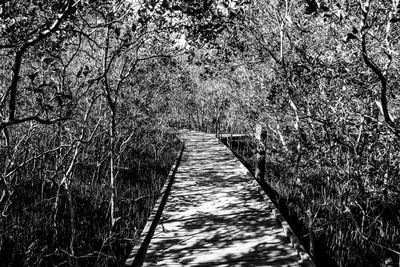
214 215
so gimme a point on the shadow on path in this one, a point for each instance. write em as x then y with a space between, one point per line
214 215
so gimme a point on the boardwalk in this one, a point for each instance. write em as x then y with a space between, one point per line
214 215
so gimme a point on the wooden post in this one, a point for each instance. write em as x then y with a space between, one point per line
260 136
217 127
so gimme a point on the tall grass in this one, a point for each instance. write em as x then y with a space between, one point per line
33 235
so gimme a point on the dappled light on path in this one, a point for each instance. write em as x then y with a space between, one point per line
215 216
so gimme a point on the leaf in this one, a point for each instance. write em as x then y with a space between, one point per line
324 8
38 90
351 36
164 4
86 71
312 7
117 31
48 107
141 21
394 20
176 8
32 76
78 74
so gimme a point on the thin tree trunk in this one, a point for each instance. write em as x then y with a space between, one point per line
70 200
281 138
66 182
112 107
112 172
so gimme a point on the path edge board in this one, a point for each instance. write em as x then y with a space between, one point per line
139 250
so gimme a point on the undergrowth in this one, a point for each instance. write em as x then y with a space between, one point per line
354 220
34 234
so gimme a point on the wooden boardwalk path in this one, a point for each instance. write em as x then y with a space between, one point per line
214 215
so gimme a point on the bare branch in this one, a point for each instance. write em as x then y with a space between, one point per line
5 124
